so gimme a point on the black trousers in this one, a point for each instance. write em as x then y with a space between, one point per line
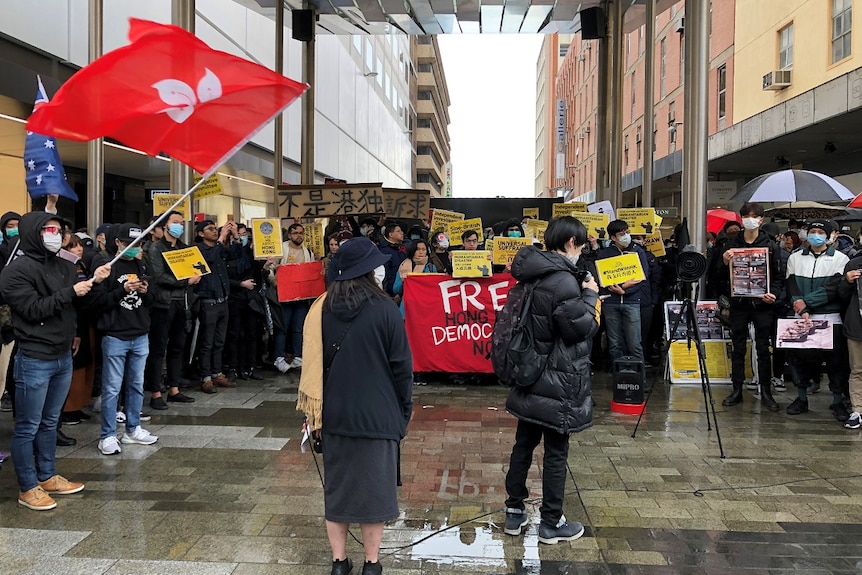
242 334
527 438
740 317
167 338
804 365
211 337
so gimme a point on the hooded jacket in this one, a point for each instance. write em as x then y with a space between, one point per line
8 243
849 293
564 322
38 288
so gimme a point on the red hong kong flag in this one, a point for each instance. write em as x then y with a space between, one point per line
167 91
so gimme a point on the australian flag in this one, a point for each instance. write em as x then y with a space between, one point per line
45 173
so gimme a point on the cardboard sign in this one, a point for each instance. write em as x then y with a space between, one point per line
749 272
532 213
505 249
186 263
300 281
452 320
641 221
455 230
596 224
441 218
314 239
163 202
351 200
655 244
211 187
475 264
620 269
535 229
266 238
560 210
603 207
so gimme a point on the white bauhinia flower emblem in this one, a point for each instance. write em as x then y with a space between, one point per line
182 98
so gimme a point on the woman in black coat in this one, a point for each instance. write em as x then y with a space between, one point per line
564 319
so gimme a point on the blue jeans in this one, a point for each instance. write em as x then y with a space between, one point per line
623 326
293 313
41 387
123 359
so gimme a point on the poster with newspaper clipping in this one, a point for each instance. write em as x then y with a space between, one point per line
749 272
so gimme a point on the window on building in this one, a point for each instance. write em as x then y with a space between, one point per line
641 40
654 133
423 39
564 49
663 68
379 72
423 122
424 67
634 94
722 91
626 151
357 43
387 82
785 48
638 139
424 95
369 56
671 123
841 24
628 49
682 58
423 178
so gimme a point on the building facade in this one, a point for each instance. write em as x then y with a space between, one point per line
551 55
430 131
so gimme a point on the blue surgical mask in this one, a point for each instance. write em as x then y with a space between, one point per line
816 240
514 233
176 230
11 232
132 253
243 240
625 240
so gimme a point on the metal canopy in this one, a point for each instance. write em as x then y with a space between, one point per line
426 17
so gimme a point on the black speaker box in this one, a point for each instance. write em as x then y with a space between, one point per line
303 25
593 23
629 378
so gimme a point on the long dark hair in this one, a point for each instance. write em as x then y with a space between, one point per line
353 294
411 251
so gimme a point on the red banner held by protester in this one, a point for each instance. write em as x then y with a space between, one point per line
300 281
449 320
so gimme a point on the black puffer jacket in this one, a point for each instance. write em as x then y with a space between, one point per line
38 289
564 323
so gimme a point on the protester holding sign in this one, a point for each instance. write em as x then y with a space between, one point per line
622 308
564 319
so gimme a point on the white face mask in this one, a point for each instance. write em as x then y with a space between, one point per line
364 231
379 275
53 242
751 223
803 235
444 244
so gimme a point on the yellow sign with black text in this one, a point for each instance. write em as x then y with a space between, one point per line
266 238
560 210
441 218
532 213
163 202
211 187
505 249
314 239
455 229
641 221
596 224
655 244
535 229
186 263
475 264
613 271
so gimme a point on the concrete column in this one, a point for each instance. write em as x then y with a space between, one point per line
307 136
278 148
695 129
618 64
95 148
602 103
182 177
649 105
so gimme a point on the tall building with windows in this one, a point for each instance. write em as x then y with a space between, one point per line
551 55
430 130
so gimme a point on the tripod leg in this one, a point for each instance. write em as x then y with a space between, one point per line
707 390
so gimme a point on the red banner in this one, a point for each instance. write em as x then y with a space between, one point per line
300 281
449 320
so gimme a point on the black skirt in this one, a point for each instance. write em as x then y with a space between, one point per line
360 479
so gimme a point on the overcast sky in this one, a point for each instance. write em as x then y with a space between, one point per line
492 88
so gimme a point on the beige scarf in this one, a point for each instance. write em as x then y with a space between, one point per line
310 399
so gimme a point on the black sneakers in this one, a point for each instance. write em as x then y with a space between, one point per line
516 519
562 532
158 403
180 397
798 406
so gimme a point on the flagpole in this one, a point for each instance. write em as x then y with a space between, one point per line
152 226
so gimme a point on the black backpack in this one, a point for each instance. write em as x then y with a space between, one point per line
513 351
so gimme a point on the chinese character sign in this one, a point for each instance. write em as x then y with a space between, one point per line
351 200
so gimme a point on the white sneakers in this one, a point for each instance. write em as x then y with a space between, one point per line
282 365
139 436
296 363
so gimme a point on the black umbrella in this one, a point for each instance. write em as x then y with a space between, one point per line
794 186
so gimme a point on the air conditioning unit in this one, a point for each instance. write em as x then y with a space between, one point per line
777 80
638 137
580 136
680 25
581 57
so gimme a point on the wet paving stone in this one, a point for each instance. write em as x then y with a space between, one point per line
227 491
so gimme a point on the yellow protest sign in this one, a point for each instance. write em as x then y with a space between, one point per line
162 202
655 244
560 210
641 221
619 269
441 218
455 229
186 263
596 224
505 249
532 213
475 264
211 187
314 239
266 238
535 229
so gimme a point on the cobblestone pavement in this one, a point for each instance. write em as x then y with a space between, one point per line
226 490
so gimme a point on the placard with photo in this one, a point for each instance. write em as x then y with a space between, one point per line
749 272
